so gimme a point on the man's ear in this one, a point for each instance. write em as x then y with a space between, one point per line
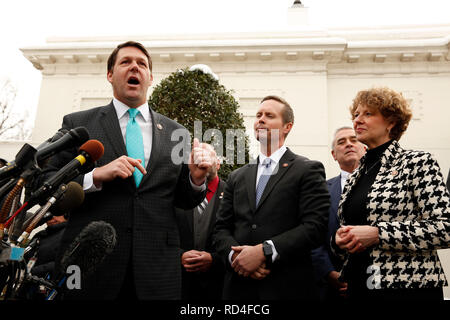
151 79
287 128
334 155
109 76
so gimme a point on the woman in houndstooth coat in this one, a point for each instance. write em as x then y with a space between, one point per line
394 211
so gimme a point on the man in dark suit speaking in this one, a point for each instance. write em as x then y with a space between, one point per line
135 186
272 215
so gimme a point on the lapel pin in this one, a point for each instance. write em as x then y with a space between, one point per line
221 195
285 165
159 126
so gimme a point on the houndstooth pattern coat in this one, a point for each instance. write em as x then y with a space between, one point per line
409 203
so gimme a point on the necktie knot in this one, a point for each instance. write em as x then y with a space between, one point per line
133 113
266 166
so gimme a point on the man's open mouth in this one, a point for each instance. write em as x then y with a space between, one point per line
133 81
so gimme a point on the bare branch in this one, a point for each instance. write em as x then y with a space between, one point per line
12 122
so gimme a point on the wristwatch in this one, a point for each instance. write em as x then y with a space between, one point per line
268 252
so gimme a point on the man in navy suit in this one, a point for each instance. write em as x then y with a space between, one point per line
347 151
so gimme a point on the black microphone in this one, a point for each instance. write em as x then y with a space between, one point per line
23 159
90 247
72 198
72 138
87 251
28 154
90 152
56 136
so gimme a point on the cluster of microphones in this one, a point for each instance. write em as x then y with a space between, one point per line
30 196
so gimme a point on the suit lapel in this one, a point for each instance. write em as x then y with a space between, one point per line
157 134
111 126
335 191
250 182
283 166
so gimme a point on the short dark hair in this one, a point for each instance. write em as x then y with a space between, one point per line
287 113
113 56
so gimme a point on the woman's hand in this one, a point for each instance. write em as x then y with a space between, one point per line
356 238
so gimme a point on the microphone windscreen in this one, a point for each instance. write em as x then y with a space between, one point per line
72 198
93 148
90 247
81 133
58 135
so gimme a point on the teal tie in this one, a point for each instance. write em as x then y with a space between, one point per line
135 143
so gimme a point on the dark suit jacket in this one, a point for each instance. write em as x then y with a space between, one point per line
292 212
201 285
144 217
324 261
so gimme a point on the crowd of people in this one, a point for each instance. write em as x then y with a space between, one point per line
276 229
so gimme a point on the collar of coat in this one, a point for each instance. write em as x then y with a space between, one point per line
389 155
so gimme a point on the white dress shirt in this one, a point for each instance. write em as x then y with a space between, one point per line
145 122
344 177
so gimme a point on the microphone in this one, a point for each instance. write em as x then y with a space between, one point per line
60 141
73 197
55 137
24 157
90 152
90 247
88 250
72 138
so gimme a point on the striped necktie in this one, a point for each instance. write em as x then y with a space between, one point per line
135 143
263 179
202 206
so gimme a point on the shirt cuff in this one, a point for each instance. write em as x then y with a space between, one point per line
274 250
230 255
196 187
88 183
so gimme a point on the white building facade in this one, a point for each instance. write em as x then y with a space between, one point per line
317 71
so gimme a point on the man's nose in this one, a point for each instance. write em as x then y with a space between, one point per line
350 145
133 66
